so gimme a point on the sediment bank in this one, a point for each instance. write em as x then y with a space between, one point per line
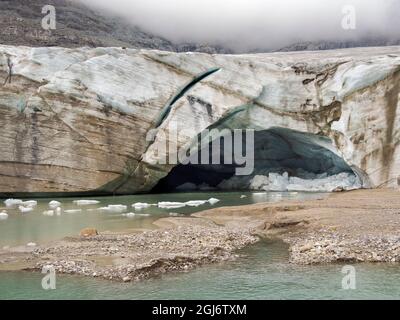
356 226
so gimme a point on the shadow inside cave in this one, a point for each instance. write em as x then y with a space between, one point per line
284 160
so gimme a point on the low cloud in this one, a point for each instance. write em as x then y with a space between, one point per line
257 24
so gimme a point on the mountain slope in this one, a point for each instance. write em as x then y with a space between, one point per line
77 26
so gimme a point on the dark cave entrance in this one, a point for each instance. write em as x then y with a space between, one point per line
276 150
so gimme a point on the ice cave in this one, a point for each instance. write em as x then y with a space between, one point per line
284 160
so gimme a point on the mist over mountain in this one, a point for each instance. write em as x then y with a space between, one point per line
77 26
174 25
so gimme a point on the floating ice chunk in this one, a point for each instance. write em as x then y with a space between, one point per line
73 211
31 244
175 214
140 205
12 203
133 215
243 196
129 214
49 213
213 201
25 209
171 205
85 202
54 204
195 203
3 215
114 208
58 211
29 203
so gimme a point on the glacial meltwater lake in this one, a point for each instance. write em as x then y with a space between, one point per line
262 271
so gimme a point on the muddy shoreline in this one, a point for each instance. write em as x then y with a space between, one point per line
357 226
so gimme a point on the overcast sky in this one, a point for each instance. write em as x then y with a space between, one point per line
252 24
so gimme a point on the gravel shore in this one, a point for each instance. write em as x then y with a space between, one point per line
179 246
357 226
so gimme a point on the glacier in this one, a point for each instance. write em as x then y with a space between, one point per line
75 121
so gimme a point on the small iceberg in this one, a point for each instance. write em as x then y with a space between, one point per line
12 203
140 205
25 209
29 203
175 214
243 196
58 211
133 214
213 201
171 205
54 204
48 213
195 203
31 244
114 208
86 202
73 211
3 215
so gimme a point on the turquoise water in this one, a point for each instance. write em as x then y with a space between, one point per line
262 271
20 229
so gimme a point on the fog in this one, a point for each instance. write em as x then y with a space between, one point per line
257 24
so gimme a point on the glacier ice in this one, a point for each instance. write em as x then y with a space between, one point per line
305 181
